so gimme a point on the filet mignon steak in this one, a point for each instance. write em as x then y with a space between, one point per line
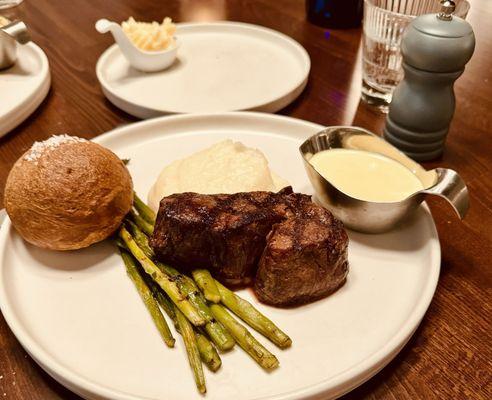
296 249
305 257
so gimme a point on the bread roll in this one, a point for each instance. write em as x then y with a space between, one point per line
67 193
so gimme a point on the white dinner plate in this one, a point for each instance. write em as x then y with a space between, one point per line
80 318
23 87
221 66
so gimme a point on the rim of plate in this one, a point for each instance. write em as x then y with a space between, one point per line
43 82
338 384
294 44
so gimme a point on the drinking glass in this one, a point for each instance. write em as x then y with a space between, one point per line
383 26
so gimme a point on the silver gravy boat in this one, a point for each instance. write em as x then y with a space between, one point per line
370 216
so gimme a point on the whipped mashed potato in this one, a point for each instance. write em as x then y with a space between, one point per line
150 36
225 167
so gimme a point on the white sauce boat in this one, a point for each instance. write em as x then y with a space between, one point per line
146 61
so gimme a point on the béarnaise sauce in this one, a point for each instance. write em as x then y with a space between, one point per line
365 175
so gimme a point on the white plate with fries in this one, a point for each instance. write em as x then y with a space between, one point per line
81 319
220 66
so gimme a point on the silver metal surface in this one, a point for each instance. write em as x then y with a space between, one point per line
369 216
10 35
451 187
447 10
3 215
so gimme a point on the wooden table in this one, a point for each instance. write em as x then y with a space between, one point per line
449 357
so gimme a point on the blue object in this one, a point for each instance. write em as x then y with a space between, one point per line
335 13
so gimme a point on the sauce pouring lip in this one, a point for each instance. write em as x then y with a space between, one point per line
375 216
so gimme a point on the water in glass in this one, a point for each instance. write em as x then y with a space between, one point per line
383 26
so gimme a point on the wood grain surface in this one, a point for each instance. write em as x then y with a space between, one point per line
449 357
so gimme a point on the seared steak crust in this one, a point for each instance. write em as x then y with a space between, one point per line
296 249
305 257
223 233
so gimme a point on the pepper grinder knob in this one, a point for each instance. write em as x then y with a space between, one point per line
447 10
435 49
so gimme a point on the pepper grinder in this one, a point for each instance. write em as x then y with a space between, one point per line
435 49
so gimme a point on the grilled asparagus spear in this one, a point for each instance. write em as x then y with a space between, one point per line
168 285
207 352
145 226
245 310
143 209
189 340
220 336
207 284
247 342
147 298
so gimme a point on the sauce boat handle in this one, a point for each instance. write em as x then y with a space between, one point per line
451 187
